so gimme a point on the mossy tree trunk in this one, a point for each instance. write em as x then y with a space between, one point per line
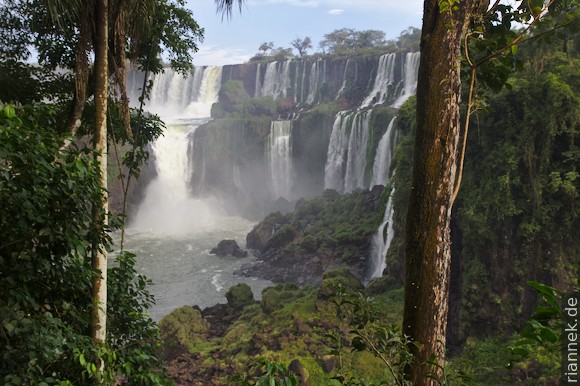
428 249
99 314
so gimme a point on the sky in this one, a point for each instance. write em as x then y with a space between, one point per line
236 40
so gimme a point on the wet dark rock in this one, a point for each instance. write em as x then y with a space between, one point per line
329 363
228 247
297 368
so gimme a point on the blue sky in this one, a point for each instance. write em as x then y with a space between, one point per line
281 21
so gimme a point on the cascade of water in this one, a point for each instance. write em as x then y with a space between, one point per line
276 79
207 93
410 70
336 153
343 86
383 157
384 78
280 157
303 80
314 80
382 240
175 97
357 151
258 88
167 206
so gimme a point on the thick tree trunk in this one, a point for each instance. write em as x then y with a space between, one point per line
428 249
99 316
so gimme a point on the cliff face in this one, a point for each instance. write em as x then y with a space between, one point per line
285 130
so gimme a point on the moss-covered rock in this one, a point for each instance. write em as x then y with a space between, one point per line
239 296
259 236
184 326
338 277
276 297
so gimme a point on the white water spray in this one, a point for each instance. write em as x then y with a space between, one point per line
280 158
167 206
335 156
411 70
382 240
176 98
385 77
383 156
357 151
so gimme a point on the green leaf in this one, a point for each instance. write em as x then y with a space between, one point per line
9 111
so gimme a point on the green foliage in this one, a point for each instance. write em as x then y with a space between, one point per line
131 333
544 327
271 374
48 234
516 215
274 298
234 101
348 40
369 333
340 278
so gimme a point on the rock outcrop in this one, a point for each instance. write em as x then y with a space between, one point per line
326 232
228 248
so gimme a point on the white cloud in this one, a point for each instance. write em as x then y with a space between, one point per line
336 11
220 56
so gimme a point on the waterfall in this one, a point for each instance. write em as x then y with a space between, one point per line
314 80
357 151
167 206
276 79
258 86
280 158
410 70
343 86
383 157
381 240
335 156
347 150
384 78
207 93
175 97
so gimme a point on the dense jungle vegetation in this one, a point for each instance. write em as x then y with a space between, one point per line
515 221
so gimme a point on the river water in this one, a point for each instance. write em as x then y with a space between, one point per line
182 269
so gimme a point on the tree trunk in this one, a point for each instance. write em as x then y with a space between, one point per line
428 249
81 73
99 313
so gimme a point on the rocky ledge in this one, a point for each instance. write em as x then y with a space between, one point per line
323 233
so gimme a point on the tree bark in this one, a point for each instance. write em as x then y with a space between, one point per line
81 72
428 249
99 312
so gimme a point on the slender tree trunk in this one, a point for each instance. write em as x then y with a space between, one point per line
81 73
428 250
99 317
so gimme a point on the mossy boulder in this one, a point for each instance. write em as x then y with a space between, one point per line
259 236
338 277
276 297
381 285
239 296
183 326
